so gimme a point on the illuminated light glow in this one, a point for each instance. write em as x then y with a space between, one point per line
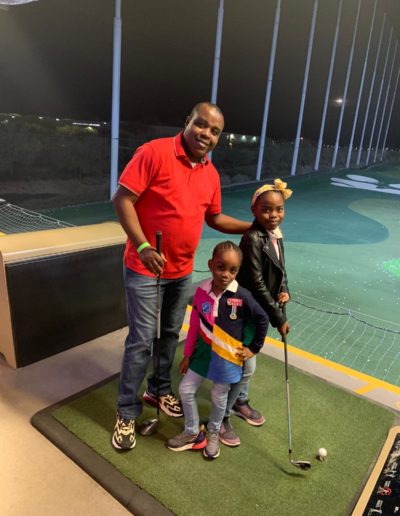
87 124
339 101
243 138
393 267
254 139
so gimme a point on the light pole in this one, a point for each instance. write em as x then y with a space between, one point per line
116 81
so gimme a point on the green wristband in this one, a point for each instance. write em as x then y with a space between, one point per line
143 246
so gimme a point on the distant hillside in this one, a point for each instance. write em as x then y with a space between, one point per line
49 163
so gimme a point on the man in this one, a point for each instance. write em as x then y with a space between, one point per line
168 186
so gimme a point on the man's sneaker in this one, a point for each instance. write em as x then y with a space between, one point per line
211 451
168 403
186 441
124 434
227 434
249 414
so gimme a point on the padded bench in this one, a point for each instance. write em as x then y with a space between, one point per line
59 288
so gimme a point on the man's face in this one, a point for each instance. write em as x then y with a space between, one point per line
202 132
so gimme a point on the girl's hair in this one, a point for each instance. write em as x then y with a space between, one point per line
227 246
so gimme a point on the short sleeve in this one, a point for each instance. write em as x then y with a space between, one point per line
215 204
138 173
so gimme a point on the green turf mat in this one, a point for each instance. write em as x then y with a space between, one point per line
257 477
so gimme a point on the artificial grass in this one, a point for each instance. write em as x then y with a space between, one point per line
256 477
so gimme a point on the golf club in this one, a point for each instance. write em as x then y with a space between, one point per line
302 464
149 426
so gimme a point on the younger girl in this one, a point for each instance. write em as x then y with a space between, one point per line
214 346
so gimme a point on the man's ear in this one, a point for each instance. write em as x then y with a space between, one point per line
210 264
187 121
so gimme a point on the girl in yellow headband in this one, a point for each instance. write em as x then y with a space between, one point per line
263 273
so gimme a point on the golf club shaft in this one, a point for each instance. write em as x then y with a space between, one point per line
158 336
302 464
289 419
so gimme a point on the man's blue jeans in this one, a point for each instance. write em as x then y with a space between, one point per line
141 297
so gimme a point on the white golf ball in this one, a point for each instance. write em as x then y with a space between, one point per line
322 453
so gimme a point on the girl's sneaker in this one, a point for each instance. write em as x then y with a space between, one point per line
211 451
227 434
248 413
186 441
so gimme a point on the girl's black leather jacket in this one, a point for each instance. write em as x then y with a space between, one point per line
262 272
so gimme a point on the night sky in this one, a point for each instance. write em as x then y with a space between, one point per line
56 60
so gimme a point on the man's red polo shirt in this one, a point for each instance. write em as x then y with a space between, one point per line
173 198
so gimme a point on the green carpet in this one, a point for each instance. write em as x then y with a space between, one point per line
257 477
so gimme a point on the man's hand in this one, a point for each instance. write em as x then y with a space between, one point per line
244 353
184 365
152 260
124 203
284 329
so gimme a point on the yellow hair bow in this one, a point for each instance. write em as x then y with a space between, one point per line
278 186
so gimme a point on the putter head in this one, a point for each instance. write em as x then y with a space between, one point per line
302 464
149 426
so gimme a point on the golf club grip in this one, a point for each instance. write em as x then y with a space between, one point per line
158 241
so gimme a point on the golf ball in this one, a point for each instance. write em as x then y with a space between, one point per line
322 453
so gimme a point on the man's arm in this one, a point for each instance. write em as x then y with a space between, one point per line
227 224
124 205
